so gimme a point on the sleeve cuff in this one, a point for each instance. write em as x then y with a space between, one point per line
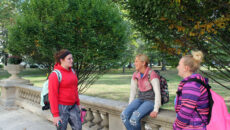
56 115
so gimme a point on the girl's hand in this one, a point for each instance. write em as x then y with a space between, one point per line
56 120
153 114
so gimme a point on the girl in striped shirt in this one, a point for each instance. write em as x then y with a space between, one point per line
192 103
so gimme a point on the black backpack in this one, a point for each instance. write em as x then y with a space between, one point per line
164 88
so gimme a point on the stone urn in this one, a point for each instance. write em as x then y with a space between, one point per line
14 70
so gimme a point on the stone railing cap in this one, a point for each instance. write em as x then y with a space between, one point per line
107 103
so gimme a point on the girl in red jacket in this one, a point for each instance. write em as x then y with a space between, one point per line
63 96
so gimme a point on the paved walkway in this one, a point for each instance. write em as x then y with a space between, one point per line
20 119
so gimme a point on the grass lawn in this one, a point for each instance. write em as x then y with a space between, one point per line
115 85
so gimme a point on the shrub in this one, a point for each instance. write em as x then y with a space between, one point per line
93 30
14 60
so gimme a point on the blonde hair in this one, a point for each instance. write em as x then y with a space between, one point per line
143 58
194 60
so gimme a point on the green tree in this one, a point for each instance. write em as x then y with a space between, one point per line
93 30
7 9
176 27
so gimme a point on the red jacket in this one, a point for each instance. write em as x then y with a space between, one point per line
65 93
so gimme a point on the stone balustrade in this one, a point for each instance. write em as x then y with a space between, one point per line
102 114
105 114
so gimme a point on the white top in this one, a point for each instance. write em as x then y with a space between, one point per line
156 88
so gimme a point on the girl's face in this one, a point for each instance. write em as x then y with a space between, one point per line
182 69
139 64
67 62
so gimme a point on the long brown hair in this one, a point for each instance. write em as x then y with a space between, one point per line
61 55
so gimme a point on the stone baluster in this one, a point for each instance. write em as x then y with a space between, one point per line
19 92
97 120
30 96
26 95
34 98
143 124
152 126
105 121
23 94
38 99
89 118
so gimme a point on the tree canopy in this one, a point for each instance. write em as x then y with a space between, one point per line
7 10
177 27
93 30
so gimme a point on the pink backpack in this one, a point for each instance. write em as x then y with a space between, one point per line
219 118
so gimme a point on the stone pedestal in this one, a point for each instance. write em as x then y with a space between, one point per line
8 96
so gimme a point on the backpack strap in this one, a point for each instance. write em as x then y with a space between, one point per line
208 87
58 74
73 71
149 74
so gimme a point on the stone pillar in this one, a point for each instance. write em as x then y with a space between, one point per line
115 122
8 96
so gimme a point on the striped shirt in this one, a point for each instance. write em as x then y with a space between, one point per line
192 96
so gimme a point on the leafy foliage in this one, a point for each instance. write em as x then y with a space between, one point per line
14 60
93 30
176 27
7 9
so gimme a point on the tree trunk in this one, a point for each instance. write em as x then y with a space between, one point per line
163 68
159 63
150 64
123 69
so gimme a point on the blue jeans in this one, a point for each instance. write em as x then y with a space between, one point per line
134 112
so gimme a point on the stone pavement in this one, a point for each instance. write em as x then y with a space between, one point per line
20 119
